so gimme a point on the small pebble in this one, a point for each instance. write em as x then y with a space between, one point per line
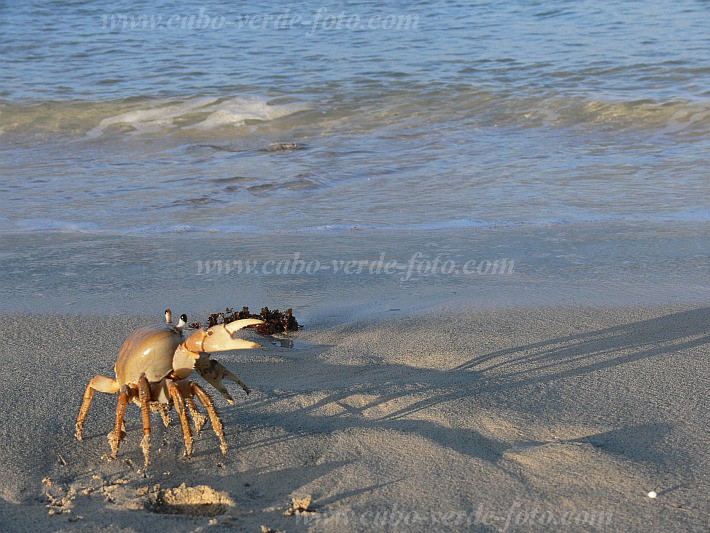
652 494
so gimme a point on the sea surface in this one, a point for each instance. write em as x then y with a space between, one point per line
138 139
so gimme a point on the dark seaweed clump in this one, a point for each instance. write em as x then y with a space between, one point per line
276 321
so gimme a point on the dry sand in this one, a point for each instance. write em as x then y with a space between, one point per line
495 420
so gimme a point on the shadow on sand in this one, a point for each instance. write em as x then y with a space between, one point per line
398 395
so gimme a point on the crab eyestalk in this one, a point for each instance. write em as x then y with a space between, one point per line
168 316
182 323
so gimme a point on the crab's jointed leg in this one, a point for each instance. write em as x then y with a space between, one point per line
179 402
198 419
101 384
164 411
114 438
212 412
144 397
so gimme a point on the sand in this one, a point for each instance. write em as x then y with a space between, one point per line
498 420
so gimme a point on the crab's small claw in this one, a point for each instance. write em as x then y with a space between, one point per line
214 372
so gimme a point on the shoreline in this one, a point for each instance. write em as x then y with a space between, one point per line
489 413
551 267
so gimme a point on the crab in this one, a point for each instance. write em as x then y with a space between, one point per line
152 370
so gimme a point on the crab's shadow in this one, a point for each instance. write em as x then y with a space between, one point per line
398 395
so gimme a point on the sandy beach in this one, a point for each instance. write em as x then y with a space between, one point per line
497 420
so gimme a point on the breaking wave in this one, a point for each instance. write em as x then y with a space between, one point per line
197 115
142 116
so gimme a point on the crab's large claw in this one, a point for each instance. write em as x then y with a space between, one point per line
220 337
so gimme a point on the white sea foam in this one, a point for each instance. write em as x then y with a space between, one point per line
219 112
236 111
37 225
153 119
45 225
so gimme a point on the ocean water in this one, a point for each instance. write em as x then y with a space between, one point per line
130 130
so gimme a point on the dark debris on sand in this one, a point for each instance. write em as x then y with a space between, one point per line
276 321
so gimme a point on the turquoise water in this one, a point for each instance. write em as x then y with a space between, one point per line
412 121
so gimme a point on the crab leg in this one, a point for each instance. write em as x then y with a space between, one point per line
164 411
101 384
144 397
179 401
114 438
212 412
198 419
